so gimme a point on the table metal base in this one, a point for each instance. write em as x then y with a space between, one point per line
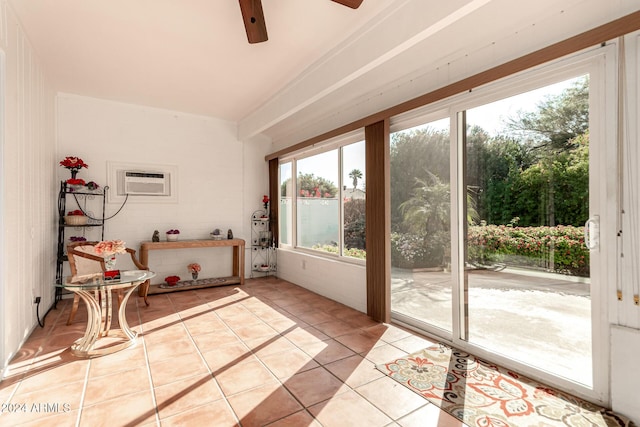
99 310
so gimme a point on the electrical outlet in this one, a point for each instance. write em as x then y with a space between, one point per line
36 300
304 264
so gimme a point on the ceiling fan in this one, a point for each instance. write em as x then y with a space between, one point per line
254 18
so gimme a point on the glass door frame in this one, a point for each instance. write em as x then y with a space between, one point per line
432 113
600 64
602 181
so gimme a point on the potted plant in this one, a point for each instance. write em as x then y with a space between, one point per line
172 235
108 249
74 164
194 269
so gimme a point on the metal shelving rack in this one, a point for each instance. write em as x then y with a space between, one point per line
81 197
263 251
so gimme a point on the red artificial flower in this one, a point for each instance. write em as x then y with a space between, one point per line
76 212
75 181
73 163
172 280
265 199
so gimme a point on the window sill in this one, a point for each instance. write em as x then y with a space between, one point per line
323 255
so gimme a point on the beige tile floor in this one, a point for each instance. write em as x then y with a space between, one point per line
266 353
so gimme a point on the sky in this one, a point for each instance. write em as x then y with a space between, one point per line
326 165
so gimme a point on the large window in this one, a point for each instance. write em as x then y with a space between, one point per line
326 201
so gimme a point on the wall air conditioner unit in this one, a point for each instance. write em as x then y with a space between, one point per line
139 183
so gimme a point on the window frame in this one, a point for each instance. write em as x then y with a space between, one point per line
336 143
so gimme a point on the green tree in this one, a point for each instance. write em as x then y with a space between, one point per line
504 159
415 154
355 175
309 185
538 169
354 224
428 210
557 120
555 190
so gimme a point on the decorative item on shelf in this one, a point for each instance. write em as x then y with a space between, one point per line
108 249
172 280
76 184
156 236
75 217
265 201
74 164
194 269
264 267
92 186
265 239
74 239
215 234
229 234
172 235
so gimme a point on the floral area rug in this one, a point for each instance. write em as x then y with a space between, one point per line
482 394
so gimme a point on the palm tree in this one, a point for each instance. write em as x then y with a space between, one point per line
428 210
355 175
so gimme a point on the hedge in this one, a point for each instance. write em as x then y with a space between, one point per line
530 247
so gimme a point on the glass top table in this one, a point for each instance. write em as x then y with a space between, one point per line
99 339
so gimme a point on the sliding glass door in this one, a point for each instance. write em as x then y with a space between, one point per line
488 211
421 279
527 270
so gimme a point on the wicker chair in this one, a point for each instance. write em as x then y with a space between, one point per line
85 264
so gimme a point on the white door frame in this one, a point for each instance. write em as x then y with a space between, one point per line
3 267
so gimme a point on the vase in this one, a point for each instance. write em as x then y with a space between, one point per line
74 172
194 275
110 263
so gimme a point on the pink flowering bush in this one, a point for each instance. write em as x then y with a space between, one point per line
532 246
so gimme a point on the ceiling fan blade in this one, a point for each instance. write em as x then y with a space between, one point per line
353 4
254 20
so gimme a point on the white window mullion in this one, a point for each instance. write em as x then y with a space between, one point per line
340 204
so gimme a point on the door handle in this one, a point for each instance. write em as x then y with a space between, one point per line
592 233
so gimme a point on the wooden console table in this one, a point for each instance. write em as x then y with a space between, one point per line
238 262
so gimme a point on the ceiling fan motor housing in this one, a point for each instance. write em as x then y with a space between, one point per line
255 25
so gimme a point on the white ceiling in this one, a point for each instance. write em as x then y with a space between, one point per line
184 55
324 64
